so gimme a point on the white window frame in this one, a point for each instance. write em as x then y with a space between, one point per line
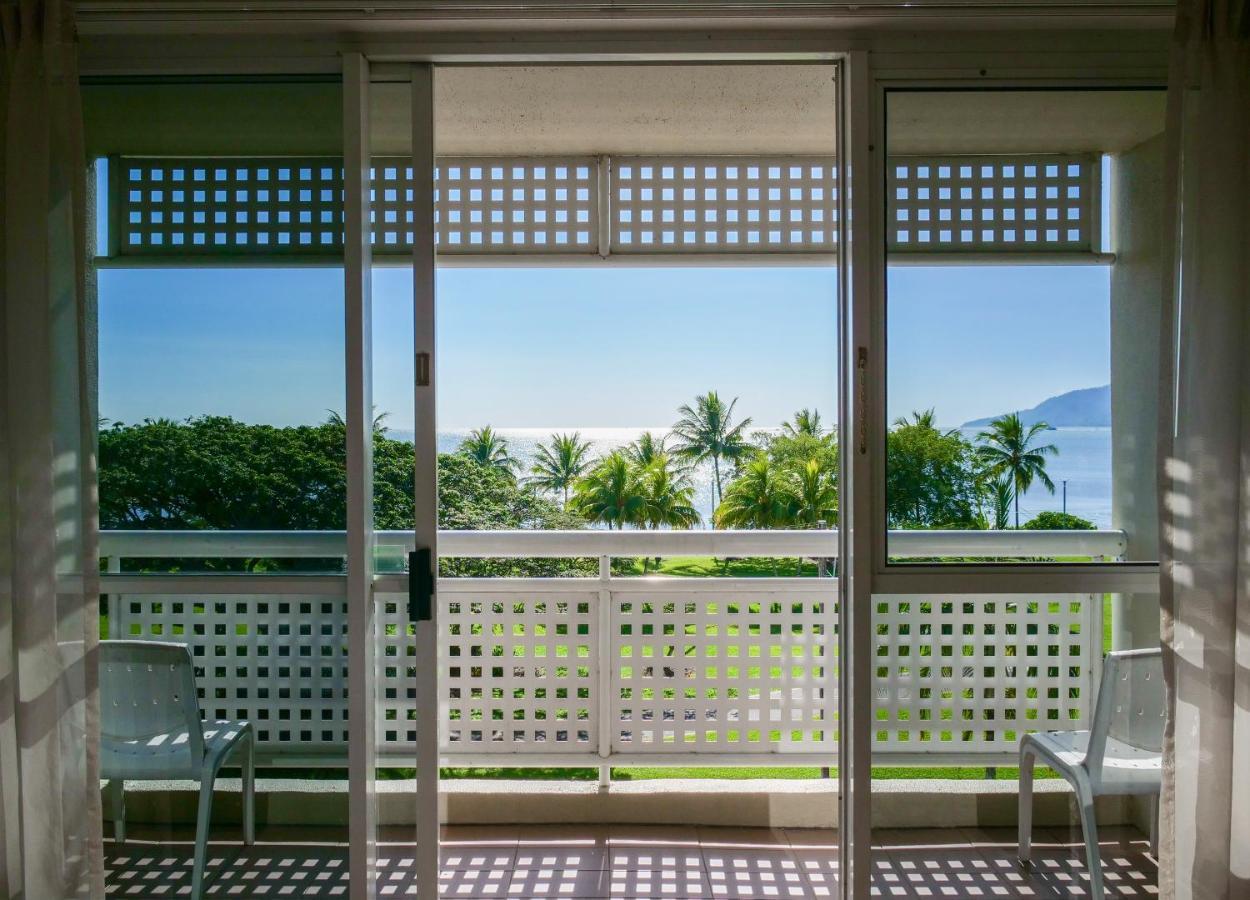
872 62
968 578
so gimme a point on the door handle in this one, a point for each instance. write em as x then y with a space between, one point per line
861 399
420 585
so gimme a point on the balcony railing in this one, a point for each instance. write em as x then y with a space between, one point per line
620 669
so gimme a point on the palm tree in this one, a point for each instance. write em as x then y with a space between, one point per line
1002 493
806 421
1008 451
816 495
707 431
490 449
759 498
644 451
379 420
669 495
611 493
559 464
920 419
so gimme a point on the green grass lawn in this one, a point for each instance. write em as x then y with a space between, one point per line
711 567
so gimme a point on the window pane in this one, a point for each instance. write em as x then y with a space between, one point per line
1022 369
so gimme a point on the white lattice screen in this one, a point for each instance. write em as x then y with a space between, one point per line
723 204
287 208
714 666
991 203
279 662
735 671
396 659
546 204
971 673
533 205
520 671
216 206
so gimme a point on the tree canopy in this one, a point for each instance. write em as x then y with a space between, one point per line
1058 521
931 476
213 472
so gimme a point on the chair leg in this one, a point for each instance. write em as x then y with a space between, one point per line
117 797
249 790
1154 825
1025 815
1089 827
201 834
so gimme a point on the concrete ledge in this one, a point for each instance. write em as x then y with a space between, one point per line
777 803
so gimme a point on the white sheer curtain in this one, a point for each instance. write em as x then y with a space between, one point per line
1205 457
50 844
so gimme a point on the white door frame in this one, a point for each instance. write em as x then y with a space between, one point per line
361 604
362 600
425 422
859 210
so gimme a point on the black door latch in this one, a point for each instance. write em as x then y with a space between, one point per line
420 585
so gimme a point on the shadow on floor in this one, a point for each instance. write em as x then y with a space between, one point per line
627 862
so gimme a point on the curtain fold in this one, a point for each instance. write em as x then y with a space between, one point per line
1205 459
50 826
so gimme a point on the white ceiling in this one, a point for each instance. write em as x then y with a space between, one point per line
743 109
1021 121
654 109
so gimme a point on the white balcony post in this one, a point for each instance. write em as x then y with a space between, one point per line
113 565
607 666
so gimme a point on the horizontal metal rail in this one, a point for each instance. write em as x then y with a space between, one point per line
903 544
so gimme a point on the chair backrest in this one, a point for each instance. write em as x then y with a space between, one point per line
147 688
1131 704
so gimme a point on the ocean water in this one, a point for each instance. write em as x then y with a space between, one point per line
1084 461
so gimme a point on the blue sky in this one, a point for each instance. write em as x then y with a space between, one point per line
591 346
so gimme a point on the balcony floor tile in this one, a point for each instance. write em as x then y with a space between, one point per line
634 862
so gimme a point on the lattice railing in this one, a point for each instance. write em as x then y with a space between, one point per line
733 669
173 207
972 673
575 671
992 203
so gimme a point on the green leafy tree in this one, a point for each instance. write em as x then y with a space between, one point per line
611 493
489 448
558 464
334 417
791 452
645 450
1007 449
816 495
707 431
668 495
215 472
931 476
767 492
761 497
805 422
1059 521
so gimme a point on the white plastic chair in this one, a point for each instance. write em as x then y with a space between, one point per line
1120 754
150 730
